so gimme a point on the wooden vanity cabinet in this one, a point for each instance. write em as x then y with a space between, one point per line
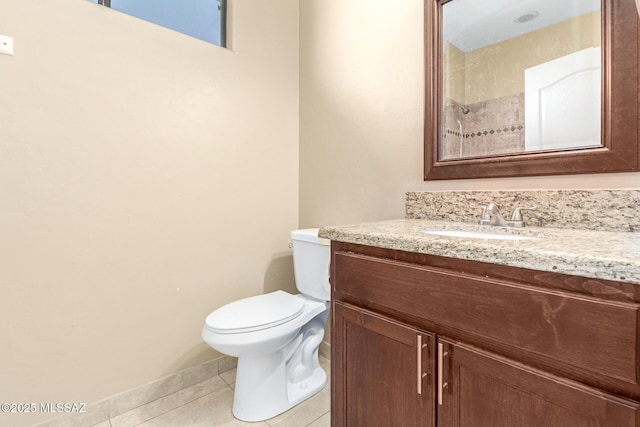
419 340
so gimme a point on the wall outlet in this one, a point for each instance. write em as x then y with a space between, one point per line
6 45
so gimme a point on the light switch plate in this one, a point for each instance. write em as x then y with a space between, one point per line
6 45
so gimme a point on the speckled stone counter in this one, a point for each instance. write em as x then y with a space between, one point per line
605 210
610 255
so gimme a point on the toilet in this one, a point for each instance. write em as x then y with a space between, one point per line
276 336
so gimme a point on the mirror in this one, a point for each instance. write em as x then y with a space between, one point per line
534 87
503 93
203 19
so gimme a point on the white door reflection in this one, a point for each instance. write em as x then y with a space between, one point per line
562 102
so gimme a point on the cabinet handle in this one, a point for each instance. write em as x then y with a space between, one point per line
419 349
421 374
441 383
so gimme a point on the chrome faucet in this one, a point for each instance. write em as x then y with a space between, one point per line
491 215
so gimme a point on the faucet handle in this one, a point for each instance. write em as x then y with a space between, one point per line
517 212
484 216
483 207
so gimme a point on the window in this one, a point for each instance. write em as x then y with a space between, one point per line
203 19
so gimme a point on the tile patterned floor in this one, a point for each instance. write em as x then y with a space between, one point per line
213 409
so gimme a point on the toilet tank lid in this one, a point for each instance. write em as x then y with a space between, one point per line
309 235
255 313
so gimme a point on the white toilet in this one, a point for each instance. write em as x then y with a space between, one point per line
276 336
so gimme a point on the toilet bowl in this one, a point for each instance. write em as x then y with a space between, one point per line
276 336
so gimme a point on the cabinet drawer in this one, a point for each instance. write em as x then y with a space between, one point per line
585 332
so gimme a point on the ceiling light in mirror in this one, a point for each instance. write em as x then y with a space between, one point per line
529 16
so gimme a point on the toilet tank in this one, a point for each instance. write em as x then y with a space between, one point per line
311 259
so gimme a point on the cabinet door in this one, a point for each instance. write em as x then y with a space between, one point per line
382 371
480 389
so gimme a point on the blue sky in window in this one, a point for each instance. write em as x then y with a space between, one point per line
197 18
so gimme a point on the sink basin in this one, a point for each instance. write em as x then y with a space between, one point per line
476 234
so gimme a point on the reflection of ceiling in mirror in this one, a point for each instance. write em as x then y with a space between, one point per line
472 24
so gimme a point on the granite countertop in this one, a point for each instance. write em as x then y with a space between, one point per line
610 255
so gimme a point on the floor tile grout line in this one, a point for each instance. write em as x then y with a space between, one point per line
328 412
316 419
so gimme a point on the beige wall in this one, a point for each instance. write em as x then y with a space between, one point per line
498 70
361 118
453 73
146 178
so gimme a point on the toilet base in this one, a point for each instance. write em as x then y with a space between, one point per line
262 392
270 384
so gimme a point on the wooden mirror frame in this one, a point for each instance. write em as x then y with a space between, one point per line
620 128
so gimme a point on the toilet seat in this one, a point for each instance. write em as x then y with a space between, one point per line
255 313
